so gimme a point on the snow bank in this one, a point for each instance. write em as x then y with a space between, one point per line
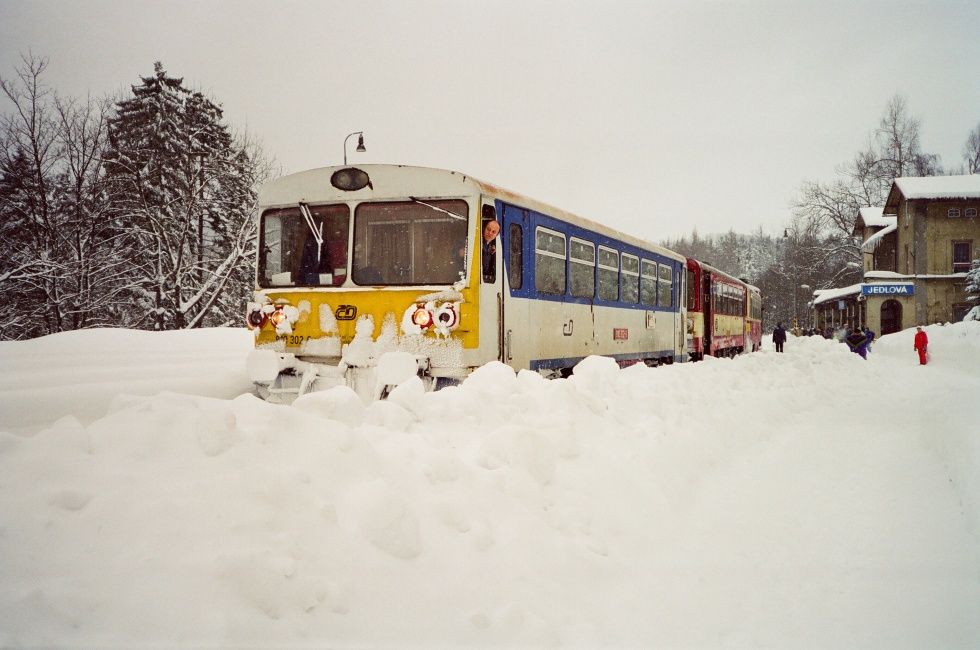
79 373
805 499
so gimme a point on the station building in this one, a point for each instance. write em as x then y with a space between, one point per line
916 252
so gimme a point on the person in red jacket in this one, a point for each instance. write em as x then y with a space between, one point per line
921 343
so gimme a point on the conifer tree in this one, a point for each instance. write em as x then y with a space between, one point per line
183 188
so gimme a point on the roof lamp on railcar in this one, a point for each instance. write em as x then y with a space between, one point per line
350 179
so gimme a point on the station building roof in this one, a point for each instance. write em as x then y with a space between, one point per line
965 186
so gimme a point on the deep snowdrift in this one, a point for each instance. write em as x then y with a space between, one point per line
808 499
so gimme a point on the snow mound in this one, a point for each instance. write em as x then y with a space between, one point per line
736 503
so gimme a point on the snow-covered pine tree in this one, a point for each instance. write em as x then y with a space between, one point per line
973 281
183 189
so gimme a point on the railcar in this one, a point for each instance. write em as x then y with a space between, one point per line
724 313
371 273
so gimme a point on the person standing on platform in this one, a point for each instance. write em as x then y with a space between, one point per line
779 337
921 345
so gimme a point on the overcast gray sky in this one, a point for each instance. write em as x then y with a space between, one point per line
652 117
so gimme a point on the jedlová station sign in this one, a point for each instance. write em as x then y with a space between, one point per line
884 289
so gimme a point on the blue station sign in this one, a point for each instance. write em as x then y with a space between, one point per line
888 289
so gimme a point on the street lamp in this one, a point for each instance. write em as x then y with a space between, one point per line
805 287
360 143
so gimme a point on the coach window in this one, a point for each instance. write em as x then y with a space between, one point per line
648 283
581 268
608 274
549 261
629 279
666 291
515 270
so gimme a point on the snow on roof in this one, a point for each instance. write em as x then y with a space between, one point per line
940 187
873 217
887 275
872 243
891 275
825 295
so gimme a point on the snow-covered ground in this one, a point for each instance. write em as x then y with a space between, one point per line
801 500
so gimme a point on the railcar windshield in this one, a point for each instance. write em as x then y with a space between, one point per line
304 246
410 242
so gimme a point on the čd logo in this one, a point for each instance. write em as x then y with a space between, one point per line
346 312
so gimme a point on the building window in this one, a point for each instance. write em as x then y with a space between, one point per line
953 212
961 256
970 213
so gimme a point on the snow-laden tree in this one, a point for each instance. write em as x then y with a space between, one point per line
971 151
828 210
60 263
973 281
183 189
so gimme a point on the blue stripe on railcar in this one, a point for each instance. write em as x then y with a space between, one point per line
528 290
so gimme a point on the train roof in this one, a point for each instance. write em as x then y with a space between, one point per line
313 186
691 261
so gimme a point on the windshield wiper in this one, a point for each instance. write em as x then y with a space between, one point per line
437 209
317 233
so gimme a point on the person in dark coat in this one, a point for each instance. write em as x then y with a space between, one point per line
779 337
859 340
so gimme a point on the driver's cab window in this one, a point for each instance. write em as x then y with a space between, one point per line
489 229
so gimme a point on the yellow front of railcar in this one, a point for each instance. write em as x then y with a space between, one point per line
357 263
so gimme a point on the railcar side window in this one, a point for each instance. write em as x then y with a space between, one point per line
515 272
549 261
666 290
648 282
288 254
629 279
409 242
608 274
581 268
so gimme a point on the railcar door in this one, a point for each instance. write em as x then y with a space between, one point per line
491 315
709 314
515 243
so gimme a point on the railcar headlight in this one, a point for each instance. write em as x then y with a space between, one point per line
422 317
447 317
277 316
255 318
